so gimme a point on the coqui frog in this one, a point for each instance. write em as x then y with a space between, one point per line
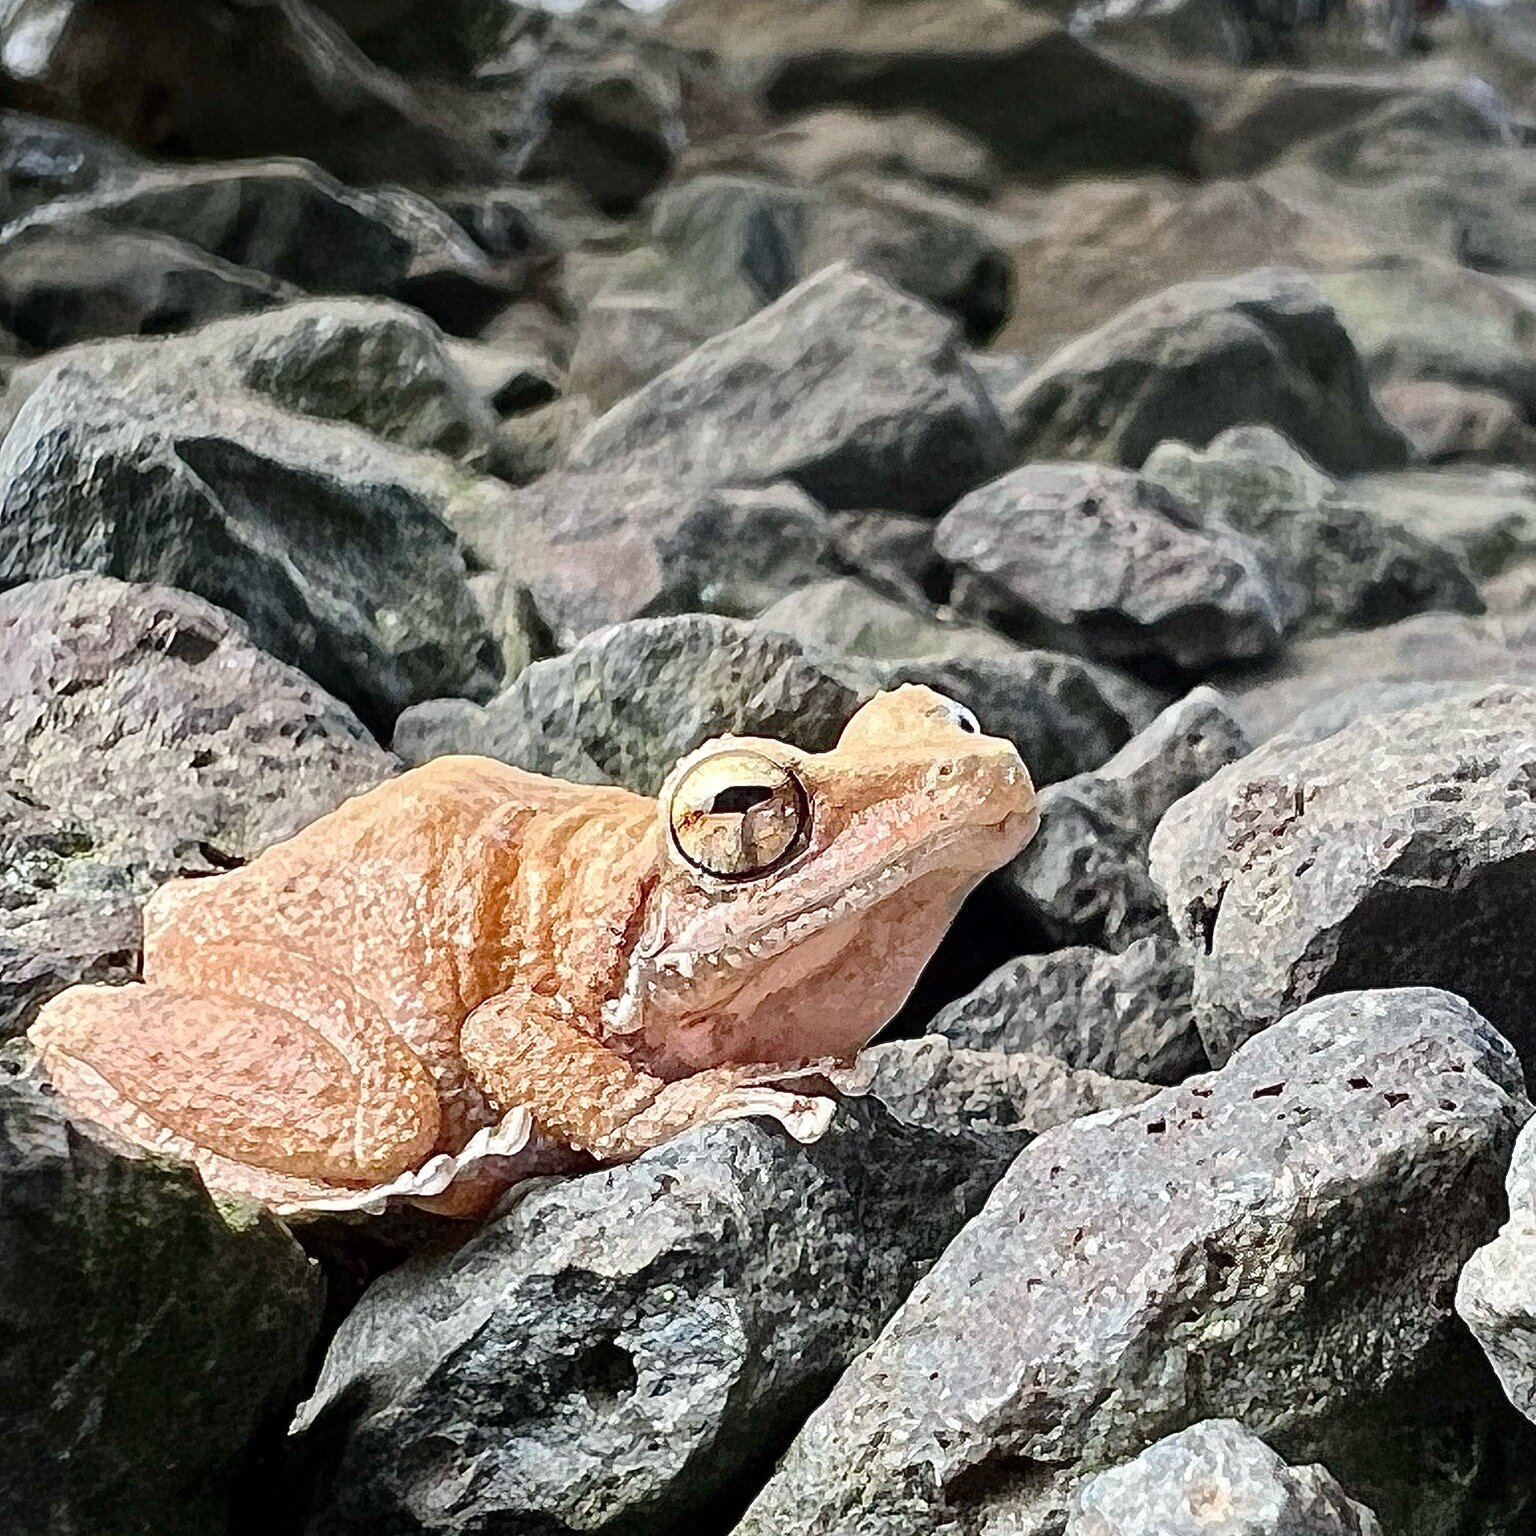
471 963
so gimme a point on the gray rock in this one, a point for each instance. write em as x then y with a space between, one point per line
1452 424
41 159
1485 516
1418 318
1084 878
1263 349
623 705
220 80
946 1087
1046 104
893 550
1126 1015
294 223
1397 851
1351 566
598 549
1340 672
372 362
1279 1240
81 281
1215 1479
620 1350
1064 714
142 736
150 1335
1496 1295
331 544
1082 556
857 393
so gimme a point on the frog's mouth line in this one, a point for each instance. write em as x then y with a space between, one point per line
675 968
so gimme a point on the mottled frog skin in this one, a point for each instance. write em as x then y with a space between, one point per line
471 967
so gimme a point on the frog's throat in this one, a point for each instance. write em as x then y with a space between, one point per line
666 963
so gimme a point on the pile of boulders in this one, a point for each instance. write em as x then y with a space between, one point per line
387 379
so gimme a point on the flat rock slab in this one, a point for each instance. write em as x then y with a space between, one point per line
1397 851
1278 1240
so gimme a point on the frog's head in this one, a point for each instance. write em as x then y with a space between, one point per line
800 894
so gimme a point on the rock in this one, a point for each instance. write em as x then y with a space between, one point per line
946 1087
1215 1479
857 393
1396 851
1350 567
372 362
599 549
291 222
1085 878
1064 714
219 79
893 551
620 1351
1264 349
82 281
329 543
834 142
1446 423
1086 557
1496 1295
1272 111
1429 318
625 703
851 617
1083 252
1279 1240
1431 650
1126 1015
41 159
1174 30
1439 172
1485 517
142 736
1042 101
151 1336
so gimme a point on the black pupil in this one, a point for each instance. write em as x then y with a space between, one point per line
740 799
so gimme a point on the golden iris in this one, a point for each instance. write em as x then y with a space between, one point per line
738 814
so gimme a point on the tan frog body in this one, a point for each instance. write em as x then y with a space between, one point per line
471 962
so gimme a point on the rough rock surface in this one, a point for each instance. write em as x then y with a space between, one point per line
1234 1245
329 543
859 394
142 736
149 1334
935 1083
1127 1015
1261 349
1398 850
1044 101
1215 1479
1496 1295
1352 565
598 549
619 1349
1086 556
1084 878
623 705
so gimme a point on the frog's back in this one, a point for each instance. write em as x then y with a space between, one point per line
407 891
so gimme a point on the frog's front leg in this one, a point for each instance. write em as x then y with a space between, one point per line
264 1060
523 1048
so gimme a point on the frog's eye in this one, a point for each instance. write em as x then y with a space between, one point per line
738 814
962 717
